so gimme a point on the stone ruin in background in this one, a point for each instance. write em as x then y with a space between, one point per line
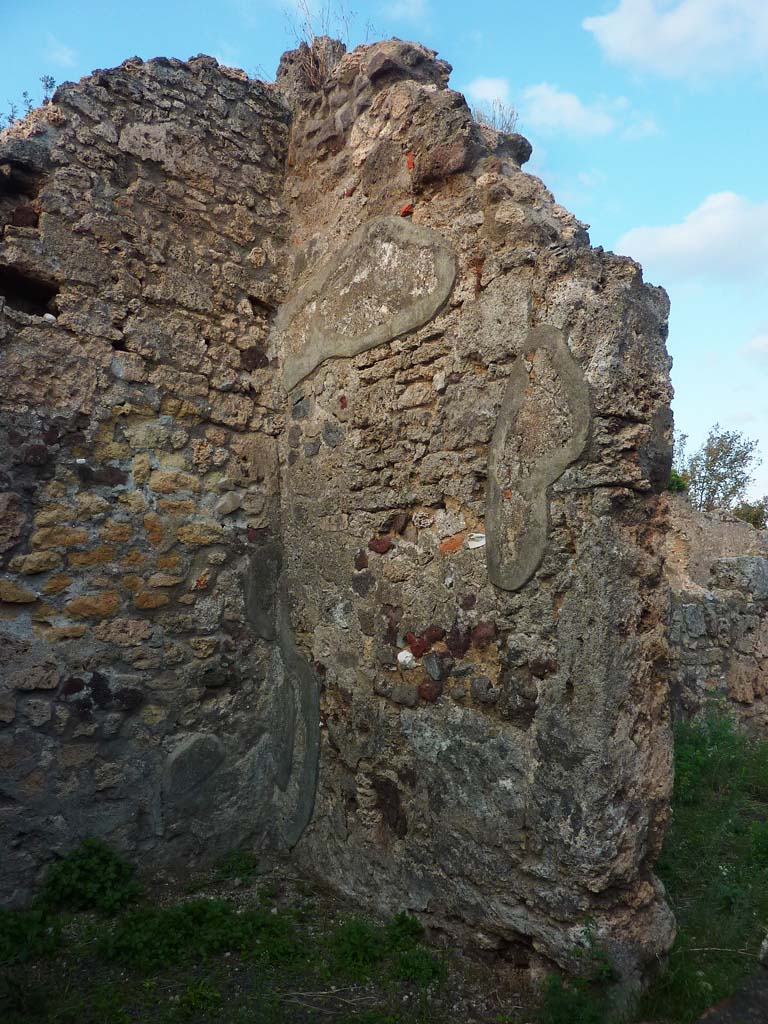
718 569
330 461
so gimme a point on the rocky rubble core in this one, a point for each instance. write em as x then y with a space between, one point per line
718 569
329 516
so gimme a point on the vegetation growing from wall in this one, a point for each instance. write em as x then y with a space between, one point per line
497 114
16 110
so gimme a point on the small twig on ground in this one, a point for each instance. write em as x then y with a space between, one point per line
715 949
308 1006
327 992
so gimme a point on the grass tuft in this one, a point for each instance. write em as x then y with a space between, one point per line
574 1001
26 934
154 937
714 868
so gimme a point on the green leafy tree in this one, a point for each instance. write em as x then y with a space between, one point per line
719 473
754 512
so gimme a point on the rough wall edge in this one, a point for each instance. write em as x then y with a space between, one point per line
503 573
321 346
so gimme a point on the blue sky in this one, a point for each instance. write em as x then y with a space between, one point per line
647 117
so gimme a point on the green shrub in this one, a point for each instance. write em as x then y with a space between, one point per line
753 512
21 1001
358 947
404 931
571 1002
154 937
419 966
678 482
91 877
26 934
200 998
236 864
361 950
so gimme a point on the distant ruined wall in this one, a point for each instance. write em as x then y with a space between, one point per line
330 515
718 569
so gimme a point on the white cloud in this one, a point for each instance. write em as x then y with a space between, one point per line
407 10
590 179
757 346
486 90
744 417
683 38
550 109
227 54
725 237
640 127
58 53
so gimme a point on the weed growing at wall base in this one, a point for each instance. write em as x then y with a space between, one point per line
156 937
91 877
277 964
243 957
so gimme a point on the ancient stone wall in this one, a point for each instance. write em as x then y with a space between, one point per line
330 436
718 569
147 687
470 526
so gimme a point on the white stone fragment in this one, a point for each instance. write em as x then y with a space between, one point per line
405 659
476 540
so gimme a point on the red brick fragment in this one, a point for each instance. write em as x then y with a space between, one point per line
409 161
482 634
432 634
361 560
457 642
541 667
407 210
452 545
419 646
380 545
430 690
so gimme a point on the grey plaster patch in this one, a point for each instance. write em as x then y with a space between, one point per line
301 756
526 456
260 584
190 763
391 278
